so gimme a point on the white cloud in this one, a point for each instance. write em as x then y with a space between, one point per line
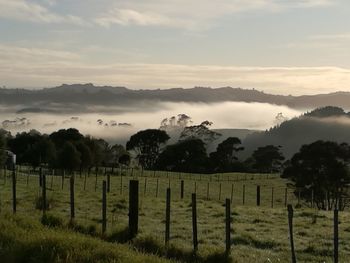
23 10
45 67
192 14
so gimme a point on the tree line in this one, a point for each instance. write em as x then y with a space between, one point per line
320 168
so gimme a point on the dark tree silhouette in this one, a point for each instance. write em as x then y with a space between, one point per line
124 159
69 157
63 135
147 145
184 156
85 156
201 132
321 166
43 152
224 159
267 159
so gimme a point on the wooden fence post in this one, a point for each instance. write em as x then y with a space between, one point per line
72 204
290 223
220 192
258 195
228 226
182 189
14 198
272 197
167 217
145 188
104 207
133 208
312 198
336 239
194 223
44 193
40 177
96 170
208 186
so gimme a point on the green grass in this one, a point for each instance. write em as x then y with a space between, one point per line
260 234
26 240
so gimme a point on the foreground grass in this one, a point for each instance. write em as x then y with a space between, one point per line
259 234
25 240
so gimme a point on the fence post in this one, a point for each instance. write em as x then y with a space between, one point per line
133 208
72 205
258 195
96 170
167 217
104 207
145 188
108 183
182 189
208 185
157 187
243 197
272 197
194 222
220 192
228 227
40 177
44 193
14 198
336 244
290 223
312 198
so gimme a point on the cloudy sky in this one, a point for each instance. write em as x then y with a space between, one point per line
279 46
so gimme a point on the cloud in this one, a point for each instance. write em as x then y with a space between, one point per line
49 67
196 14
23 10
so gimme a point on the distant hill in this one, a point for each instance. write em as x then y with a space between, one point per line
328 123
82 96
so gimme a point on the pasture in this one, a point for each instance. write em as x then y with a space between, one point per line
259 233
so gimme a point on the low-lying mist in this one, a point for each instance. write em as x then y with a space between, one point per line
116 127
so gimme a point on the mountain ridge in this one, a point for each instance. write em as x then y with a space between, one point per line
89 94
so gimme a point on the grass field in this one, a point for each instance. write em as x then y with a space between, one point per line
260 234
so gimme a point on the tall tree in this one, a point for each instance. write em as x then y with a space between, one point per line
321 166
184 156
69 157
225 159
267 159
147 145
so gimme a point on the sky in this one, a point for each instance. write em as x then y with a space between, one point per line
278 46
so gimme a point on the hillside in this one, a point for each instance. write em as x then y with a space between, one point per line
329 123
